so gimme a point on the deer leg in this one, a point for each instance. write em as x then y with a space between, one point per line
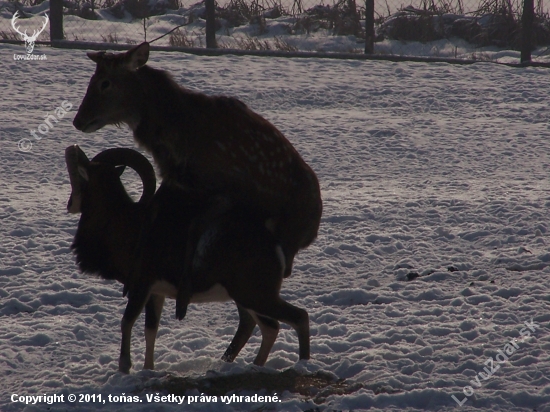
136 302
185 286
288 257
270 330
300 223
283 311
196 230
244 331
141 246
153 310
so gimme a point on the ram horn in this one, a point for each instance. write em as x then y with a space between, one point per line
129 157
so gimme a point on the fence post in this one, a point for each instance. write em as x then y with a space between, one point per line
56 20
527 20
210 6
369 26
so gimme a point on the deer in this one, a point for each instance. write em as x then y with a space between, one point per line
214 144
29 40
237 258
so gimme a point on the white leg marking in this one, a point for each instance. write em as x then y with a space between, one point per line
150 337
125 360
269 335
281 256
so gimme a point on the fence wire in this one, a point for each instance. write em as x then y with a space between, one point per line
445 28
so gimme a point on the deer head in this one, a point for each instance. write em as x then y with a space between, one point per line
113 92
29 40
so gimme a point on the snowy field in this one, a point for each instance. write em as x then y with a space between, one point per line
435 170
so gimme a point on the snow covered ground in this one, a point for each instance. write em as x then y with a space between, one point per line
429 169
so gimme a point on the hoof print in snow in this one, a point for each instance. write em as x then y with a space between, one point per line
411 276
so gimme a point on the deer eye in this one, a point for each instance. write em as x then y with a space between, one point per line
105 84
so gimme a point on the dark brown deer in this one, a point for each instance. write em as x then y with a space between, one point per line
237 257
214 144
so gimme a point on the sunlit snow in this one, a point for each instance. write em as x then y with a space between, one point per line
435 173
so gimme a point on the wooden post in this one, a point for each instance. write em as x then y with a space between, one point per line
211 24
527 20
369 26
56 20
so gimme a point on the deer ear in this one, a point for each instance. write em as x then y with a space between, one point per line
137 56
95 56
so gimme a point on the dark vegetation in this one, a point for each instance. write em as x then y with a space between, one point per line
494 22
317 386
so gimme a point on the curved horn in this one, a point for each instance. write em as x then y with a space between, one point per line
128 157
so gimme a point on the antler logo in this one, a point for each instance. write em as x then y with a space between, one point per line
29 40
